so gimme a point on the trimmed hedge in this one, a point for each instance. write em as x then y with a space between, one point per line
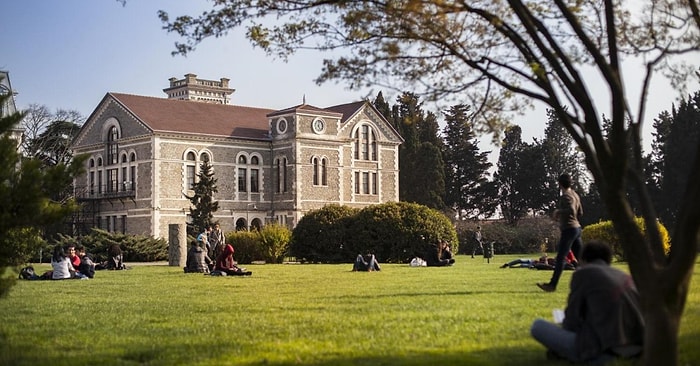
394 232
605 231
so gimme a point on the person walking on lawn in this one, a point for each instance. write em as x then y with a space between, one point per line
568 213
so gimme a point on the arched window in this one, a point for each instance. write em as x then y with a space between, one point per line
190 169
365 143
249 174
319 165
112 145
132 171
281 174
314 163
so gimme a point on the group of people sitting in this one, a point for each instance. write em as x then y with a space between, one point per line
72 262
211 243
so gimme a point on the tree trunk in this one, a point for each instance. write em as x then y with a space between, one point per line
661 332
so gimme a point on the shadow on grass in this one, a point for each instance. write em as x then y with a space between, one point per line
216 353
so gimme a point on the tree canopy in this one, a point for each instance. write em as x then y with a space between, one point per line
500 56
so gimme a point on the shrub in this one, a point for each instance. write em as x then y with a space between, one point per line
135 248
399 231
273 242
394 232
246 246
320 236
604 231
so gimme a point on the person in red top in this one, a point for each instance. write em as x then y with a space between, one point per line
73 255
226 264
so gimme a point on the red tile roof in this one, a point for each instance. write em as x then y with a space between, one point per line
167 115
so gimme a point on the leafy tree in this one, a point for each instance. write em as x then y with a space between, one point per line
500 56
519 177
467 186
203 203
560 156
26 203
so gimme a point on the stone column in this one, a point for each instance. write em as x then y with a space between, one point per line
177 249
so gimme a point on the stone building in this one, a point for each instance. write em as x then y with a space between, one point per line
270 165
8 107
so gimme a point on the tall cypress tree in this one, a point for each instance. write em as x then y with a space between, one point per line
679 150
468 190
202 201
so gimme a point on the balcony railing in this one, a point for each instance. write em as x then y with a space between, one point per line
116 190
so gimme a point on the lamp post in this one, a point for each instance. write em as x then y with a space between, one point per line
247 214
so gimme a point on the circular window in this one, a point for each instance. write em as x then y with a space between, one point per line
318 125
282 125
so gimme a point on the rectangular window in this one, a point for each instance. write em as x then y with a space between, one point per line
132 178
278 174
374 183
357 182
254 179
190 176
242 180
124 179
99 182
112 181
123 224
91 183
284 175
365 182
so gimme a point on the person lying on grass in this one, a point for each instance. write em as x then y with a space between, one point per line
542 262
366 263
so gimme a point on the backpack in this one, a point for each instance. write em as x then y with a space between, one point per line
27 273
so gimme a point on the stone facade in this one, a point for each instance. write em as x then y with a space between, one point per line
270 165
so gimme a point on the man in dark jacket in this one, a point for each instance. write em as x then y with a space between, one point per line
603 318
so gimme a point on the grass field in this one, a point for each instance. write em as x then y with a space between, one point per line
473 313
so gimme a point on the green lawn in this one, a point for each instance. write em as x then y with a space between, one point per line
473 313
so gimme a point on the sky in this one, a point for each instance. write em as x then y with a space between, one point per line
68 54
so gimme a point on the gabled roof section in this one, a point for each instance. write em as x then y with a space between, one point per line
305 108
180 116
349 111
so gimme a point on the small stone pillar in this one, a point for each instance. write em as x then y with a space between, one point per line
177 249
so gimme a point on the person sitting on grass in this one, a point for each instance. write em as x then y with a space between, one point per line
226 264
366 263
197 259
61 264
439 256
603 316
87 266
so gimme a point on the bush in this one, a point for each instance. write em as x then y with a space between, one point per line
135 248
273 242
604 231
394 232
320 236
399 231
245 246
